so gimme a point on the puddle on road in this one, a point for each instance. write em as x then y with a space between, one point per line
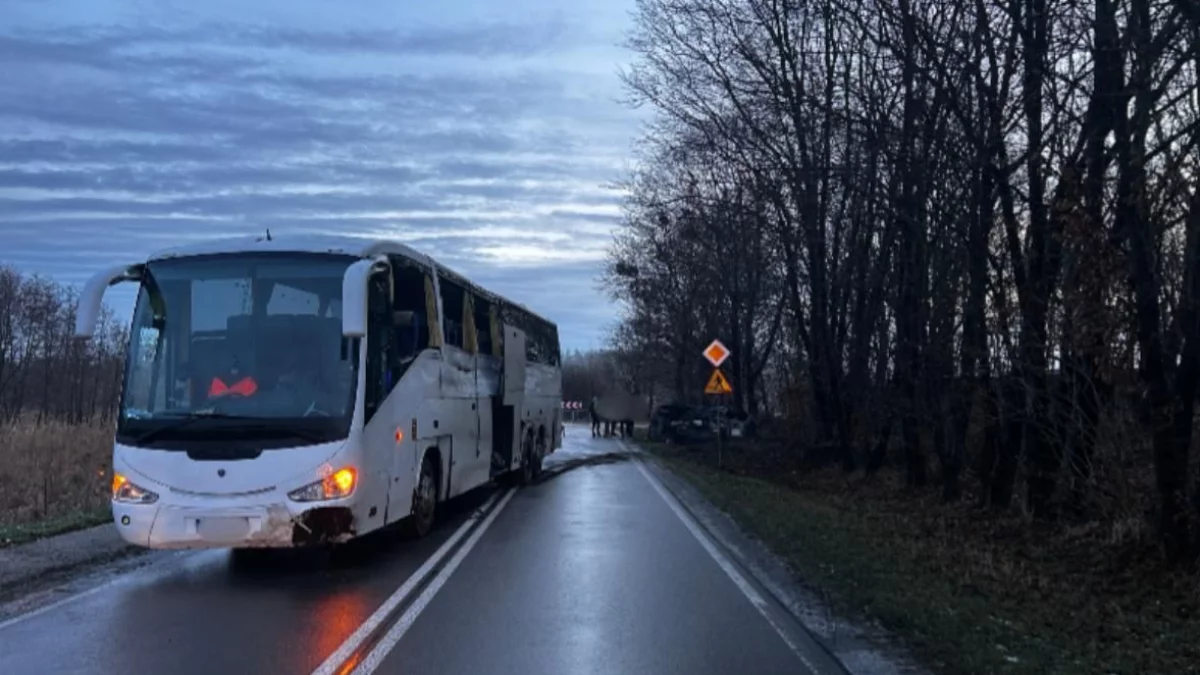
559 468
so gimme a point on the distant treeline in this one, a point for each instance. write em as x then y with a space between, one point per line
45 374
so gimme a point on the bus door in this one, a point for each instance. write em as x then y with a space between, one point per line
513 390
471 345
487 372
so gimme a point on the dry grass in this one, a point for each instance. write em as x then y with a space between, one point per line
53 477
972 591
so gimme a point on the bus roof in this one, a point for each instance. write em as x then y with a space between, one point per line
360 247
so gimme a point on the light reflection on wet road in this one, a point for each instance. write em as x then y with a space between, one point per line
588 571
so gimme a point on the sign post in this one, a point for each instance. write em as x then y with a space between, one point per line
718 385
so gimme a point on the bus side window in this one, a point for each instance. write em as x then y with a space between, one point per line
496 322
452 312
470 337
483 325
533 338
538 340
379 376
409 312
553 350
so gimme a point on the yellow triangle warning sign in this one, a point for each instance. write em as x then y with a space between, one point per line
717 384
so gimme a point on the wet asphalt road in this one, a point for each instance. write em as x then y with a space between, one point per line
589 571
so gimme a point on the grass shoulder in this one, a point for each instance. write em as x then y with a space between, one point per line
23 533
54 478
970 592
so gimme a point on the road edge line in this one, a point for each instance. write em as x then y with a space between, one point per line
767 584
38 611
763 600
334 662
389 640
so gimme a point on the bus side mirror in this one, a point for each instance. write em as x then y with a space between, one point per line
354 295
91 298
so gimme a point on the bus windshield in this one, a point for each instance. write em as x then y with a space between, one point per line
226 342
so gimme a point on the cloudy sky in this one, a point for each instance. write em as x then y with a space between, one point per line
482 133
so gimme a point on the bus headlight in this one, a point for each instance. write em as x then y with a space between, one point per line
336 485
129 493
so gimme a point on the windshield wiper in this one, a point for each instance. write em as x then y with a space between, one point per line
180 420
307 434
183 419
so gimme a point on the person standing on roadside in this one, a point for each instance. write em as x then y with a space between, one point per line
595 417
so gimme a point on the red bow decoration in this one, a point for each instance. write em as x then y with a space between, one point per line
245 386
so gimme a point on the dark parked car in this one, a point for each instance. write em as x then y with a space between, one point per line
682 424
732 423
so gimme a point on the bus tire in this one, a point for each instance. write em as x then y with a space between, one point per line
539 456
250 559
424 508
525 474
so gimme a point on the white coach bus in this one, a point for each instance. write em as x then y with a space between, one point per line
295 391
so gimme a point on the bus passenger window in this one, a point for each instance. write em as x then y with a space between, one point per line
483 325
410 334
452 313
497 336
381 375
409 323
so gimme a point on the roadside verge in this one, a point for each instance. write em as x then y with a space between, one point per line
966 590
23 533
29 568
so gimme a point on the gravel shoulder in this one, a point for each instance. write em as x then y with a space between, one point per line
26 569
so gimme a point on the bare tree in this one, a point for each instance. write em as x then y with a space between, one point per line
44 374
970 222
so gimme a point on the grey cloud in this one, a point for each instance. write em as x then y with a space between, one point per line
389 227
109 53
598 218
253 203
252 118
415 96
155 168
83 50
53 258
135 228
236 114
237 205
255 192
92 151
202 179
238 79
480 39
142 126
268 112
117 47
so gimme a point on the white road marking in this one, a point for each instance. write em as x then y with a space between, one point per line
335 660
397 631
123 578
58 603
760 603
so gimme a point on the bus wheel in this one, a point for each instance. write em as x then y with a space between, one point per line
424 501
527 460
250 559
539 455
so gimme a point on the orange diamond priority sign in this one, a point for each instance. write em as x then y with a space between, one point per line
716 353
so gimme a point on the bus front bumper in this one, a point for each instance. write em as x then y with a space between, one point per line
280 525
